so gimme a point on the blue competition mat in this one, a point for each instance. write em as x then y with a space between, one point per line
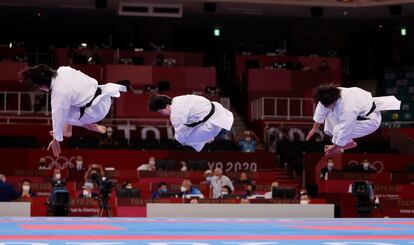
42 231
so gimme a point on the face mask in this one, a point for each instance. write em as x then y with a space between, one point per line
208 178
85 193
223 193
183 189
248 139
109 134
57 176
304 202
366 165
79 162
26 187
128 187
163 190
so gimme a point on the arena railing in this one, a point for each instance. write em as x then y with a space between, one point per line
281 108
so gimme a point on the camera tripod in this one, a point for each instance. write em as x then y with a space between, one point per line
104 206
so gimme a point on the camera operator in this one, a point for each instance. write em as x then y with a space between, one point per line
94 174
58 201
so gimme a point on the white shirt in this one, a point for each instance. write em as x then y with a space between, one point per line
217 183
145 167
354 102
69 88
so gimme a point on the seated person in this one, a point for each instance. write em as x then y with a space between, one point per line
250 191
367 167
79 164
225 191
303 196
150 166
109 141
268 195
127 191
243 179
162 189
88 191
26 192
324 66
328 169
248 142
57 180
42 164
187 188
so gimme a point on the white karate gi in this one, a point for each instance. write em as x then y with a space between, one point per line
341 122
72 89
187 109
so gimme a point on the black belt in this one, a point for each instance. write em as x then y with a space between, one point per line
363 118
192 125
83 108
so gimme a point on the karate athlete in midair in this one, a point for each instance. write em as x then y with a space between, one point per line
195 119
348 113
76 99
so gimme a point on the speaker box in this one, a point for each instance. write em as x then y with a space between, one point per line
316 11
395 10
101 4
210 7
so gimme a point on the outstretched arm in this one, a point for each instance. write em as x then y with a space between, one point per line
312 131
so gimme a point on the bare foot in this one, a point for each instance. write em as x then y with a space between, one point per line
210 140
350 145
67 131
96 127
327 146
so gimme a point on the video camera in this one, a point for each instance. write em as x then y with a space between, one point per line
364 192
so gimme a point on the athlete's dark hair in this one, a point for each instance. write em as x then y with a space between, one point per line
38 75
158 102
327 94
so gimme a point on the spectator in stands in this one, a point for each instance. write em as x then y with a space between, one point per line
193 201
109 141
183 166
88 191
248 143
159 60
128 191
225 191
217 182
328 169
79 164
162 189
208 174
243 179
7 192
57 180
367 167
269 195
94 173
303 196
150 166
26 192
42 164
324 66
250 191
187 188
